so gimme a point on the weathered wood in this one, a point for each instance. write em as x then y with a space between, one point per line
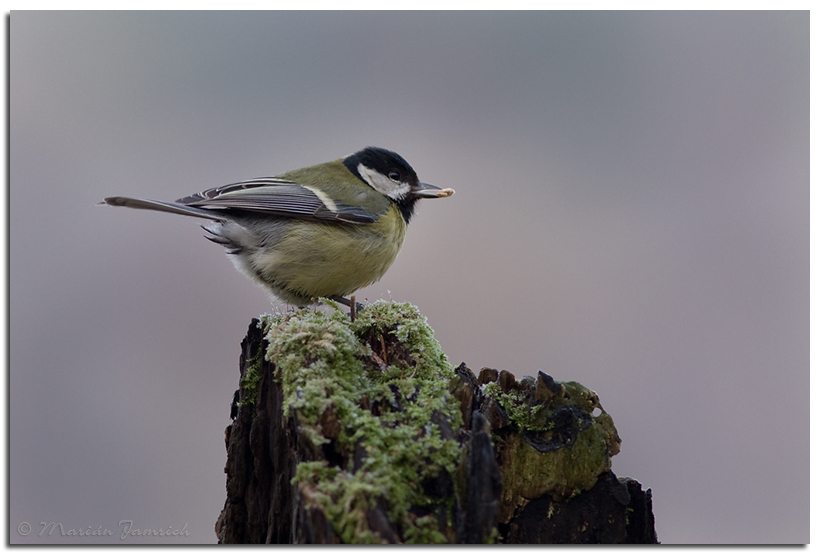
483 500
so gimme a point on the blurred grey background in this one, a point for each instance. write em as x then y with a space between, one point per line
631 212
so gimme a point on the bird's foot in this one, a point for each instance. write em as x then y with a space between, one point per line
351 303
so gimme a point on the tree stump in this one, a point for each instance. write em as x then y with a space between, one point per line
360 432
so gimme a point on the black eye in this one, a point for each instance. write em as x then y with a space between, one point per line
394 176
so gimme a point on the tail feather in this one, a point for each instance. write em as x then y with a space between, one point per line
156 205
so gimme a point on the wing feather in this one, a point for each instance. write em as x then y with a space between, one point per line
274 196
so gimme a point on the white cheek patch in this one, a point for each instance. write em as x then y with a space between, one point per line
382 183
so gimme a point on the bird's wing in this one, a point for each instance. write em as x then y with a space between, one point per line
270 195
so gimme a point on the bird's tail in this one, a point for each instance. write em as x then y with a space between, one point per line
156 205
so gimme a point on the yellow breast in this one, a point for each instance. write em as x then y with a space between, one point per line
326 259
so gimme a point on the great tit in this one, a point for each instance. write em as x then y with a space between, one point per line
323 231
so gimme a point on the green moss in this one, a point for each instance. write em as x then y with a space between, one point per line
571 456
249 382
424 531
525 415
563 473
368 390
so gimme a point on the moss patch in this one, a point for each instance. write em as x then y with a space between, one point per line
371 398
249 382
558 443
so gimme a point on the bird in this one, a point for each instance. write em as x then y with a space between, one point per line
323 231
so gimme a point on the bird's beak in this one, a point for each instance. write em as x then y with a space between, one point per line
423 190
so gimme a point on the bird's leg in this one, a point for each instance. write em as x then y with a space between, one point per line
352 304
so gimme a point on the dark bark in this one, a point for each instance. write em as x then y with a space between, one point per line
264 446
611 512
